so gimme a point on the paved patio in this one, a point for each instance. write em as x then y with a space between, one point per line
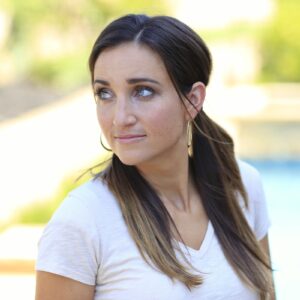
18 250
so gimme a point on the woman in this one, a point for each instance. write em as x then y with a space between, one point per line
173 215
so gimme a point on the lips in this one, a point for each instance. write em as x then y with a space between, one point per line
128 138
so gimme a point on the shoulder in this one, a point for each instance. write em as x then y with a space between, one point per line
248 172
86 206
71 243
251 179
93 192
257 212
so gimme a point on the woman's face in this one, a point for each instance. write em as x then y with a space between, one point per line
139 111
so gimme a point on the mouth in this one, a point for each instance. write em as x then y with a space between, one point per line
129 138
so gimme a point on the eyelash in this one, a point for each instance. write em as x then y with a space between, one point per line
136 91
98 92
145 88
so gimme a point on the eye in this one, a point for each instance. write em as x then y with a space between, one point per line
143 92
103 94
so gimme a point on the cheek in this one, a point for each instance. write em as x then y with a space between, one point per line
103 120
166 123
98 116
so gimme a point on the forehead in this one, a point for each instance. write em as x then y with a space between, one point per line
127 60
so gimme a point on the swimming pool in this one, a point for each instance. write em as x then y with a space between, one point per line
281 181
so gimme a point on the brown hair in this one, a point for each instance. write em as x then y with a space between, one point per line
213 165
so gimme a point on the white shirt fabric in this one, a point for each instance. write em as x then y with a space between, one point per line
87 240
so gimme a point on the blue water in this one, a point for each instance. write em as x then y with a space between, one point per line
281 181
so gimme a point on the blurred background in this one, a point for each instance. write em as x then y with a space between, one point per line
48 129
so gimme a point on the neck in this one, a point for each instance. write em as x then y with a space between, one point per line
172 181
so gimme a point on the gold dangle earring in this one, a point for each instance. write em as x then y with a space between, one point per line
102 144
190 138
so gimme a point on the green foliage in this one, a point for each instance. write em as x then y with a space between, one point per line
280 44
230 32
65 71
33 19
122 7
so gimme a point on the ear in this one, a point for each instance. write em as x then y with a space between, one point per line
195 98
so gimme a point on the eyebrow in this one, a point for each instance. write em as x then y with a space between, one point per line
130 81
142 79
103 82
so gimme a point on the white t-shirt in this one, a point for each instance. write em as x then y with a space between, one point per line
87 240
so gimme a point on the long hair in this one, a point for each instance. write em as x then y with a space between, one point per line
213 164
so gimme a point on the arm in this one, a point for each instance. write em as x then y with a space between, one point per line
50 286
264 243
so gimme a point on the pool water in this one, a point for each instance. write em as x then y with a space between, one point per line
281 181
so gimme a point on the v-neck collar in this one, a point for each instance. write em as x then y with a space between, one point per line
204 245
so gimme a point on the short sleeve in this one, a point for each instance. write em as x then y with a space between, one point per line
261 215
69 245
257 214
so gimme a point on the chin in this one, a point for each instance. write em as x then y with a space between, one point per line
132 160
128 161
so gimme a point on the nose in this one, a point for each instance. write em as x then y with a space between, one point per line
123 113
